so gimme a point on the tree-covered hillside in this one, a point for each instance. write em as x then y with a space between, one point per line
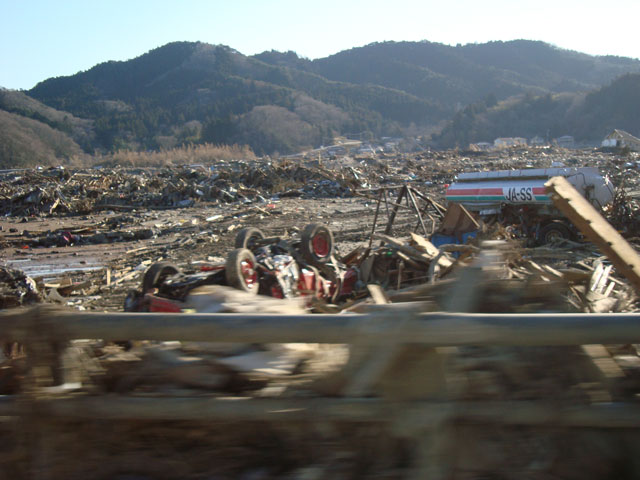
188 93
465 74
25 142
79 129
586 117
194 92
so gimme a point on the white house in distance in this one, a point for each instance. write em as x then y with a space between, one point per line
537 141
566 141
505 142
620 138
481 146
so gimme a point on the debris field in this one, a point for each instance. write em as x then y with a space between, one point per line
82 241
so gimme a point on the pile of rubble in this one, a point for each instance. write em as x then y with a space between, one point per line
478 269
488 278
61 191
16 289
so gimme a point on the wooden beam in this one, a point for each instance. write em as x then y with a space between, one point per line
432 250
378 294
596 228
400 245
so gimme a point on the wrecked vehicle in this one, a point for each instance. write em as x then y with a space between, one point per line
276 267
518 197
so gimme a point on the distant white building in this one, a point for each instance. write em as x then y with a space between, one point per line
366 149
505 142
481 146
620 138
336 150
537 141
390 147
566 141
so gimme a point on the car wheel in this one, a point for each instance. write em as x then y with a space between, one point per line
156 274
247 238
316 244
241 271
552 232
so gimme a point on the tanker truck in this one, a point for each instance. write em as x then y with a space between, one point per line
517 197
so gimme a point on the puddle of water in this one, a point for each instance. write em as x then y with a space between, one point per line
51 270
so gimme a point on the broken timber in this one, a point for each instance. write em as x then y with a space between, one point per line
594 226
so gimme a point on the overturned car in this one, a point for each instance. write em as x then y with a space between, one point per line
273 266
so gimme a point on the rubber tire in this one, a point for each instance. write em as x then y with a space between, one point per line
247 237
155 275
306 243
553 230
233 270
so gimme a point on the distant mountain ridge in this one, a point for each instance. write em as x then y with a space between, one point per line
432 70
193 92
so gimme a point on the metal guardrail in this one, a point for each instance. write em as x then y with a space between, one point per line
430 421
393 322
391 325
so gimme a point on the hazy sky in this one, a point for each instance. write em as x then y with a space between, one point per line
47 38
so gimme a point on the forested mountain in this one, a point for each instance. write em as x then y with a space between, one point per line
185 92
195 92
464 74
588 117
34 134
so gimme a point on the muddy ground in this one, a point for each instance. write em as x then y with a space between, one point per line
185 236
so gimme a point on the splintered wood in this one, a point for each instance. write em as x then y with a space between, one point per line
595 228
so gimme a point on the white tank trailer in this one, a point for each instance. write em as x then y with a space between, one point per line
518 196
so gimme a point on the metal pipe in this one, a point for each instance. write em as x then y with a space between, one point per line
431 329
413 415
375 219
417 208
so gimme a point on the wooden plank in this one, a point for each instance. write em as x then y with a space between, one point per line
457 220
126 277
594 226
414 253
429 248
377 294
411 263
603 361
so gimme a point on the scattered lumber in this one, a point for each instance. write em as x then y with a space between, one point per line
594 226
